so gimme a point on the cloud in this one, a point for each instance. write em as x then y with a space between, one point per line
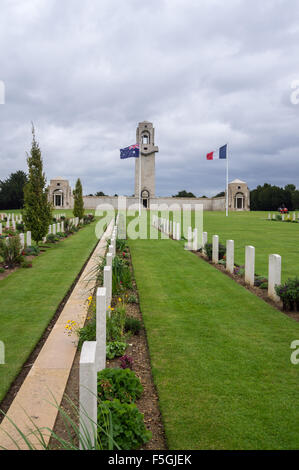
205 73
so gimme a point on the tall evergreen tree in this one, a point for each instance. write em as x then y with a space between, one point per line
37 213
78 200
12 191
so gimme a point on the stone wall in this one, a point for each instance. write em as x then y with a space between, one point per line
209 204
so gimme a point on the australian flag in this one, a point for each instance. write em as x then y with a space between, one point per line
128 152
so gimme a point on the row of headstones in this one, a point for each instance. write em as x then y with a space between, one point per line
274 266
58 216
169 227
24 237
10 224
12 217
93 355
172 228
283 216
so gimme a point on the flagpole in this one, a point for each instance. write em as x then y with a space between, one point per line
140 142
227 180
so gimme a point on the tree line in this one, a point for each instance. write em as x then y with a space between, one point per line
270 198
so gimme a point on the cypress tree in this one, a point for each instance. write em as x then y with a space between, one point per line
78 200
37 212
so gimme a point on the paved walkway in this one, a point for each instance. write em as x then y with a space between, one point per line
47 379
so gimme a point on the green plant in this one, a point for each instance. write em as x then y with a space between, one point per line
121 245
10 251
51 238
208 248
115 349
132 299
26 264
129 430
2 270
78 200
121 275
260 280
20 227
289 294
122 384
87 332
37 212
133 325
31 251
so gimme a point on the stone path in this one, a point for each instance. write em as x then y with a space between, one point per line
47 379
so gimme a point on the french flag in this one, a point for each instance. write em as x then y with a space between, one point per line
221 154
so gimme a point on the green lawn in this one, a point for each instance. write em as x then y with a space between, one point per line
253 228
220 355
29 298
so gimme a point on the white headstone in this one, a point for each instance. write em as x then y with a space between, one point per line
195 240
249 265
215 249
108 284
101 328
22 239
28 239
204 241
230 256
88 394
274 276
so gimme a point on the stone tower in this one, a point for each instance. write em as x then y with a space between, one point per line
145 136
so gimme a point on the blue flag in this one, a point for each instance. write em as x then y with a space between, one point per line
128 152
223 152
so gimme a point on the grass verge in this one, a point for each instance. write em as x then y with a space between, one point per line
220 355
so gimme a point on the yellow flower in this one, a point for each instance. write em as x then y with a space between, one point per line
119 299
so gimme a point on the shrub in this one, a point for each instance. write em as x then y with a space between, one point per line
26 264
60 235
31 251
129 431
133 324
208 248
20 227
51 238
260 280
122 384
289 294
2 270
115 349
10 250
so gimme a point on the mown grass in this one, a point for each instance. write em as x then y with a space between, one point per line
29 299
253 228
220 355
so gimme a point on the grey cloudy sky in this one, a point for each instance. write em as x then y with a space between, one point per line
205 72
